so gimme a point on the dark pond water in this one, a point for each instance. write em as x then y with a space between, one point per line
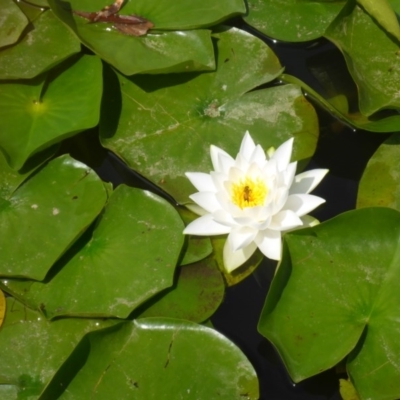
341 149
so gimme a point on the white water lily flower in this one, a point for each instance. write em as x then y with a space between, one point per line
252 198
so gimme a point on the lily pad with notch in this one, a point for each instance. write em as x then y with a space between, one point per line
39 113
45 215
162 139
336 293
130 256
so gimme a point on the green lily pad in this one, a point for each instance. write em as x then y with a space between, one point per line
32 349
198 247
12 23
181 359
338 106
39 3
380 183
372 57
197 294
43 47
162 139
395 4
292 20
11 179
38 113
384 14
160 50
336 294
46 215
130 257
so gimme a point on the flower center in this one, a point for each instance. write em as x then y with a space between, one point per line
249 192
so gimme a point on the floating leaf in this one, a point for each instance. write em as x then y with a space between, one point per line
46 215
168 49
173 353
336 294
380 183
292 20
372 57
11 179
13 21
163 139
130 257
384 14
39 3
338 106
38 113
198 293
32 349
43 47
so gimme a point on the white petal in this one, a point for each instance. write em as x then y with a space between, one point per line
289 174
302 204
224 218
219 180
247 147
226 162
258 156
282 154
196 209
234 259
285 220
215 153
307 221
205 226
241 237
206 200
270 243
235 174
201 181
307 181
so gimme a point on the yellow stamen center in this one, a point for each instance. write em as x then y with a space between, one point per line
249 192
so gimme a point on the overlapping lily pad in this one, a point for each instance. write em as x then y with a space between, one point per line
46 215
380 183
181 359
38 113
45 45
292 20
11 179
32 349
339 107
372 56
167 48
130 257
197 294
13 21
336 294
166 125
